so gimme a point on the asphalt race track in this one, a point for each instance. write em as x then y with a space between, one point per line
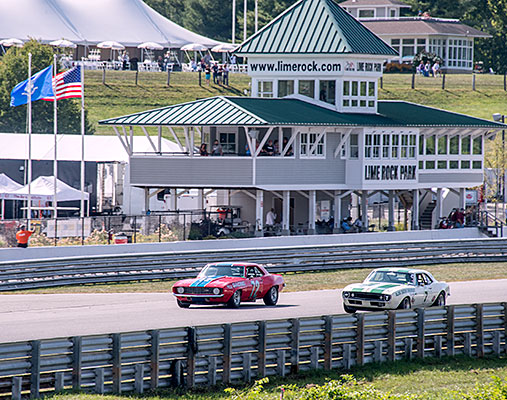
27 317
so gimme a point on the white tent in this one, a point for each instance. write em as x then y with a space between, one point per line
43 189
7 185
130 22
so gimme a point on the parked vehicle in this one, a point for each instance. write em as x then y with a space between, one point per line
392 288
230 284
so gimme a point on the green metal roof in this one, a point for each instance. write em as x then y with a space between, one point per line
315 27
247 111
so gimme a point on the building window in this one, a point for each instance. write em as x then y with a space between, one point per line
360 94
437 47
442 164
392 12
430 164
369 13
477 164
395 142
307 88
454 145
327 91
309 145
265 88
407 47
395 44
477 145
421 46
385 145
453 164
465 164
285 88
465 145
460 53
430 145
372 146
228 142
442 144
354 146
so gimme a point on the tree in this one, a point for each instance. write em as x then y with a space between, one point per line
210 18
173 9
14 69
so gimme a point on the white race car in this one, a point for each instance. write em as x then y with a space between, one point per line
392 288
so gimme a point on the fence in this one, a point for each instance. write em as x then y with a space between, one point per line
40 273
207 355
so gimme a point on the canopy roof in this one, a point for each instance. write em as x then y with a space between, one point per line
315 27
98 148
43 188
7 184
241 111
130 22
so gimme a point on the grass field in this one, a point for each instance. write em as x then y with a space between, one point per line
427 379
121 96
302 281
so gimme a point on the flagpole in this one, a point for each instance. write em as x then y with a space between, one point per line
55 128
82 141
29 85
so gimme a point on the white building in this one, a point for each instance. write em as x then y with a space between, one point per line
314 74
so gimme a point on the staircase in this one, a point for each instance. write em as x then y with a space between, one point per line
426 217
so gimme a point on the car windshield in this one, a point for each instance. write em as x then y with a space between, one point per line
402 278
222 270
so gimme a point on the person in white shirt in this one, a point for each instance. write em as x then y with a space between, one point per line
270 217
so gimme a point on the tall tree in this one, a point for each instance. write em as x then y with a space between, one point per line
210 18
13 69
172 9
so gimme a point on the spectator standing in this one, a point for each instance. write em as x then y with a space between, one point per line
203 151
268 148
270 217
207 75
214 69
23 235
233 59
226 75
217 149
436 70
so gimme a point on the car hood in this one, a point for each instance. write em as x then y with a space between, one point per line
216 281
377 287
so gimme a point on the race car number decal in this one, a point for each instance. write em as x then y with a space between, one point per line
255 288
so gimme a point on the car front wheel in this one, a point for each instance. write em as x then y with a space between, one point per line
183 304
271 297
440 301
348 309
405 304
235 299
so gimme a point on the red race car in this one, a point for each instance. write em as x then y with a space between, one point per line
229 283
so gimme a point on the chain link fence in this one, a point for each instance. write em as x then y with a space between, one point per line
119 229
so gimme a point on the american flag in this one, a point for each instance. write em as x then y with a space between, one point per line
67 84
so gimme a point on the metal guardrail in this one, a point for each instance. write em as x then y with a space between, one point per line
228 353
43 273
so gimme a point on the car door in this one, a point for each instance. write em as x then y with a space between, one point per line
431 290
254 275
420 291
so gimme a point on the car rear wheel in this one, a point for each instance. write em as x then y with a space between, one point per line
348 309
440 301
183 304
235 299
271 297
405 304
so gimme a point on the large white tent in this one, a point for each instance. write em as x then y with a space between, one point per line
130 22
7 185
43 188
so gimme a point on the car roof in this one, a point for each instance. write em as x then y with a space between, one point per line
233 264
400 269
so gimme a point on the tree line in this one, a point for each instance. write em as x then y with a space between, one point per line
213 19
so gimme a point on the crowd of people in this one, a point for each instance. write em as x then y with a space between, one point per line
271 148
428 69
459 218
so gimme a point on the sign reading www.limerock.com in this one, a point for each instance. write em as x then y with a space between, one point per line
311 67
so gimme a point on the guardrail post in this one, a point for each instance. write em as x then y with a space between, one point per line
437 344
247 367
450 331
212 371
473 82
280 363
328 342
421 332
176 376
35 369
227 353
99 381
116 363
154 358
139 378
347 356
377 352
261 355
413 81
408 348
191 354
504 305
314 357
443 81
16 387
479 323
77 344
360 339
391 335
294 352
59 381
496 343
467 344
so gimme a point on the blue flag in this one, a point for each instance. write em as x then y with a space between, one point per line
41 86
